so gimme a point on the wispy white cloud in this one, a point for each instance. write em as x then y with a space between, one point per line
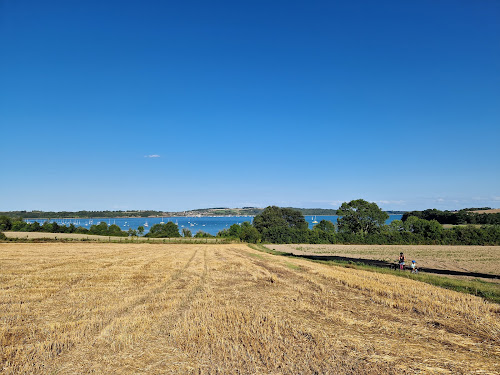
152 156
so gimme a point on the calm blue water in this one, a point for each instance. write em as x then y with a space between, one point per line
209 224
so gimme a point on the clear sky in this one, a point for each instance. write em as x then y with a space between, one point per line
175 105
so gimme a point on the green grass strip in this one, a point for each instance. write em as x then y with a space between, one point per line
477 287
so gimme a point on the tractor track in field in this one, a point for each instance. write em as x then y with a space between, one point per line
189 297
168 322
141 300
101 328
81 279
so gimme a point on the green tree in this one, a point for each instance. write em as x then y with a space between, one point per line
115 230
5 223
132 232
81 230
415 225
35 227
169 229
20 226
48 226
434 230
186 232
201 234
280 225
234 231
249 233
100 229
360 216
396 226
325 226
140 230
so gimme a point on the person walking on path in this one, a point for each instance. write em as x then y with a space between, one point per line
401 261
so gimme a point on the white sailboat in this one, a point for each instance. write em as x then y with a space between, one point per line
314 220
146 224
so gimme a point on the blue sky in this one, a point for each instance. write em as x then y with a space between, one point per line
249 103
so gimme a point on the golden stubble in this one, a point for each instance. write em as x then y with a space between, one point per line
225 309
482 259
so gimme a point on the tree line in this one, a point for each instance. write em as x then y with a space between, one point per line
360 222
252 211
464 216
19 225
78 214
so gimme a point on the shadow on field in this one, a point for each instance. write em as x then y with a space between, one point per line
383 264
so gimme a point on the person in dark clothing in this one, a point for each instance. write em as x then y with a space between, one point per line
401 261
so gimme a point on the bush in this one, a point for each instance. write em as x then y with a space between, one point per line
250 234
201 234
166 230
5 223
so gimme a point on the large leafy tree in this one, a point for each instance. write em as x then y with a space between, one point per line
249 233
360 216
274 216
5 223
279 225
164 230
325 226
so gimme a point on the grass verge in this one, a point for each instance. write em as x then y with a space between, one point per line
39 237
488 291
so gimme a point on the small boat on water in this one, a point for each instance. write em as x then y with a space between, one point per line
146 224
314 220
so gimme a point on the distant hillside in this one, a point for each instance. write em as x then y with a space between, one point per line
223 211
78 214
217 211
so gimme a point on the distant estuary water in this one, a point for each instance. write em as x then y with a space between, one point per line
208 224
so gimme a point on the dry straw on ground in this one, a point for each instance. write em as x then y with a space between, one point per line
483 259
227 309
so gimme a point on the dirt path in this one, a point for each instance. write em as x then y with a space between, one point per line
467 261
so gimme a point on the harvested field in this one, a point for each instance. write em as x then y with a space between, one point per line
225 309
483 259
491 211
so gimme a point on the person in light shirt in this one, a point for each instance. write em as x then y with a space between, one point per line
414 268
